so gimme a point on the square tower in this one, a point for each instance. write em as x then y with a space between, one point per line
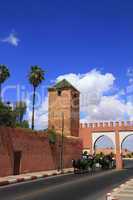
64 108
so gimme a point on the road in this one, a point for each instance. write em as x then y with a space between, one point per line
67 187
128 163
125 192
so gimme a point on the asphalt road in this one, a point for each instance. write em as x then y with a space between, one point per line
67 187
128 163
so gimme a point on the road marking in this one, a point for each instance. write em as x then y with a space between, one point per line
124 190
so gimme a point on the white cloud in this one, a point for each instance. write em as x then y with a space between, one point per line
130 110
12 39
96 103
93 79
91 85
41 114
110 108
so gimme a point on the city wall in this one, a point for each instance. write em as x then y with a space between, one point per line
37 154
87 129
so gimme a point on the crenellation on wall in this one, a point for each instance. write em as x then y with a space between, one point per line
101 124
117 124
86 125
90 125
108 125
116 131
95 124
111 124
122 123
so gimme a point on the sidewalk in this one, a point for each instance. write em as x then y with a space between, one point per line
31 176
123 192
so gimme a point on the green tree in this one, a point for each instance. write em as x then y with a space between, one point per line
101 154
20 109
24 124
52 136
36 76
85 153
4 74
7 116
129 155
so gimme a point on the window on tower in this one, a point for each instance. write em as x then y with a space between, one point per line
75 95
59 92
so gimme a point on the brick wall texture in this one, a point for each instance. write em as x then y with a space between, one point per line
86 130
68 104
37 153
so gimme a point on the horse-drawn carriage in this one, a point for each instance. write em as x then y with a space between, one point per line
90 163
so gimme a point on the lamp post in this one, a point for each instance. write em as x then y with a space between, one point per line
62 142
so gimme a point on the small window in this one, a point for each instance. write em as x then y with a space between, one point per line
59 92
75 95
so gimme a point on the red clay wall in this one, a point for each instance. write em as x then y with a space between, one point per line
86 130
37 153
5 154
86 135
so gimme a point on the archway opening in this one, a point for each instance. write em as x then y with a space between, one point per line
104 145
127 151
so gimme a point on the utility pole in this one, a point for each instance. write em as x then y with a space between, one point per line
62 143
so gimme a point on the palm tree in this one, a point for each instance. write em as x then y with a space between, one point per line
36 76
4 74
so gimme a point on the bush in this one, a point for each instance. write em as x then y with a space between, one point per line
52 136
7 116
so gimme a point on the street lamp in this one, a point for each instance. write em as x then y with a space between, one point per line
62 143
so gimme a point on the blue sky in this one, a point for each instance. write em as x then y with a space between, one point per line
71 37
68 36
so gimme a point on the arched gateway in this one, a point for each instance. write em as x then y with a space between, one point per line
117 132
64 116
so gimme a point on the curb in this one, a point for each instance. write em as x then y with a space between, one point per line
111 196
30 178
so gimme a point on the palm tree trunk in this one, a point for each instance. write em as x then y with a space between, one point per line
33 108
